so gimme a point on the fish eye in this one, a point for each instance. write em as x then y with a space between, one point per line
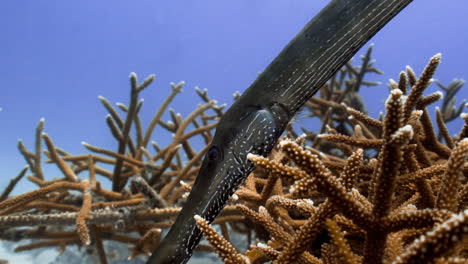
214 153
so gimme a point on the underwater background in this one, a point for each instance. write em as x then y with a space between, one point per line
56 57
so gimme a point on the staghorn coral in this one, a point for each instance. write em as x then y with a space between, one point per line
405 204
145 196
318 198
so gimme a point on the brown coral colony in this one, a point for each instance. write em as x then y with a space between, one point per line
359 190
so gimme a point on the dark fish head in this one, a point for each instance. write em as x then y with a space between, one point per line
252 129
247 130
224 168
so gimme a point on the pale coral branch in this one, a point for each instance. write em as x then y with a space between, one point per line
83 215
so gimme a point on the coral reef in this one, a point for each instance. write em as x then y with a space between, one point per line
358 190
328 202
146 190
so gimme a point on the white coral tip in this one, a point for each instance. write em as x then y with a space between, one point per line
261 245
198 217
235 197
251 156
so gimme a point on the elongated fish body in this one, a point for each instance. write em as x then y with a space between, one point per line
258 118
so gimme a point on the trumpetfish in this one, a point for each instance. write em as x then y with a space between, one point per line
257 119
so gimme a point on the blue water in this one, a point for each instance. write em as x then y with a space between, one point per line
56 57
